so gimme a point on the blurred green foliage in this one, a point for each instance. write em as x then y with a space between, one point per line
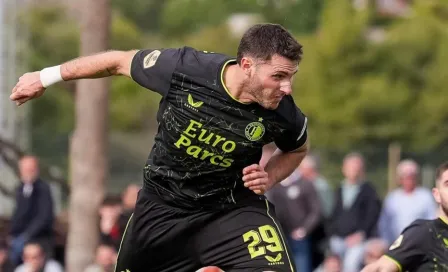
359 92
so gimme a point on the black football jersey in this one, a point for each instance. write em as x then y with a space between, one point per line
206 137
422 247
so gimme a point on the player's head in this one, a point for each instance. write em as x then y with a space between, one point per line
440 192
269 56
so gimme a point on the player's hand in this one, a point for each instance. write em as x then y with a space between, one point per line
28 87
256 179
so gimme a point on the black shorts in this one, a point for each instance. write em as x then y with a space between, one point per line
162 238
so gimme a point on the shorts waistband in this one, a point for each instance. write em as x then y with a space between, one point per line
162 195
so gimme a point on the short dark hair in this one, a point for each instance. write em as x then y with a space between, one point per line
441 169
262 41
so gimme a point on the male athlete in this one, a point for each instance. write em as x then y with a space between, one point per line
202 201
423 246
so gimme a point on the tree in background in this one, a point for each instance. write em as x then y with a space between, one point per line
88 148
366 92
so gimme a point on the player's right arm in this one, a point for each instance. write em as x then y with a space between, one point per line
150 68
100 65
406 253
33 85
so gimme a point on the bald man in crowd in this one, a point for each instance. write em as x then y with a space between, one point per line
407 203
32 220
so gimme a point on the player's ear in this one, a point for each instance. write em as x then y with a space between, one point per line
246 64
436 194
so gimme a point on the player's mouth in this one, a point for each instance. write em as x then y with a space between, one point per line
279 97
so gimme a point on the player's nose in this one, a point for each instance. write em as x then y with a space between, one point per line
287 90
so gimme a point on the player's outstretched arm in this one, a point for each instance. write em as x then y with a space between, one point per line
384 264
33 85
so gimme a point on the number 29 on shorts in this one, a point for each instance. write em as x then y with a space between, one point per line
266 234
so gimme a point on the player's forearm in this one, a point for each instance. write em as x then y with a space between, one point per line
281 165
96 66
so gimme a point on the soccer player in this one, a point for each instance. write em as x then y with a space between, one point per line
423 246
202 202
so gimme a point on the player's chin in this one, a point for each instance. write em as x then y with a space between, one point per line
271 105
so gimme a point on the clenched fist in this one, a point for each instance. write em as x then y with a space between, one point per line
256 179
28 87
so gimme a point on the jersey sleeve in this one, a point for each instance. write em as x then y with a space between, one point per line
153 68
409 248
295 135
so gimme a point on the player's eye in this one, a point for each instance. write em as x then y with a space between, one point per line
278 76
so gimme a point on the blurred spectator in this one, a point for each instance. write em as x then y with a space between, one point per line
397 212
309 171
129 198
355 215
299 210
33 216
105 259
373 250
332 263
109 212
35 260
394 7
5 264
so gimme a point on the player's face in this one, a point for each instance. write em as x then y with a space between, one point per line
441 192
268 82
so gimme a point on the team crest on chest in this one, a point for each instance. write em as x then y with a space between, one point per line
254 131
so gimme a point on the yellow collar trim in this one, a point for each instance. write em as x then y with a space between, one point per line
224 85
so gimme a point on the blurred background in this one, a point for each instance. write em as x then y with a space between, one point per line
372 81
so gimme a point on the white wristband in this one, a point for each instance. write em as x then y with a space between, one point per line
50 76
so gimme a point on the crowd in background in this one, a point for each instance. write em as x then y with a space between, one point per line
30 243
328 230
350 227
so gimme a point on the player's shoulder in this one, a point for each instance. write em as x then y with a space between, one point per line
419 223
288 110
414 235
419 227
196 62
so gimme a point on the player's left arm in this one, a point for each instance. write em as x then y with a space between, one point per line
279 167
282 164
293 145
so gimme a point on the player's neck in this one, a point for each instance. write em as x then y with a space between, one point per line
234 82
